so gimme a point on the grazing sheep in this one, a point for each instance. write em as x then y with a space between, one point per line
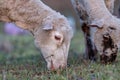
51 30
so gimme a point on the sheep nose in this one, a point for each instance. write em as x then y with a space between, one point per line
56 67
53 68
62 66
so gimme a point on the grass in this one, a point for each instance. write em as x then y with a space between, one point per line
22 61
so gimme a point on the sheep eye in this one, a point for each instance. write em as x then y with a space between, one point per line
57 38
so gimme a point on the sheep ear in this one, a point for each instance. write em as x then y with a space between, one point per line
47 23
98 23
47 26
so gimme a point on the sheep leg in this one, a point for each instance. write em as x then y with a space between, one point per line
90 52
90 49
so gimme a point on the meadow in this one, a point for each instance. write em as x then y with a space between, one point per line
21 60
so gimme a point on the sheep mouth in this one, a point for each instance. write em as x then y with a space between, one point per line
108 59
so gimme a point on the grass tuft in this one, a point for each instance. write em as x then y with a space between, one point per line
20 60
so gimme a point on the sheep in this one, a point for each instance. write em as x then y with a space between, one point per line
51 30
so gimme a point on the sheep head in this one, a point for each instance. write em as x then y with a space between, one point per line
53 38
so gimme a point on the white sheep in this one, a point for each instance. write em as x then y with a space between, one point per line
50 29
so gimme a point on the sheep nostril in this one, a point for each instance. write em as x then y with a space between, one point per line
60 67
68 65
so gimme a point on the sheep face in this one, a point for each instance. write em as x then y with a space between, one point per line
110 49
54 40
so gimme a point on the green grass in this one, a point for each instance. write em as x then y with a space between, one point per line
24 62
